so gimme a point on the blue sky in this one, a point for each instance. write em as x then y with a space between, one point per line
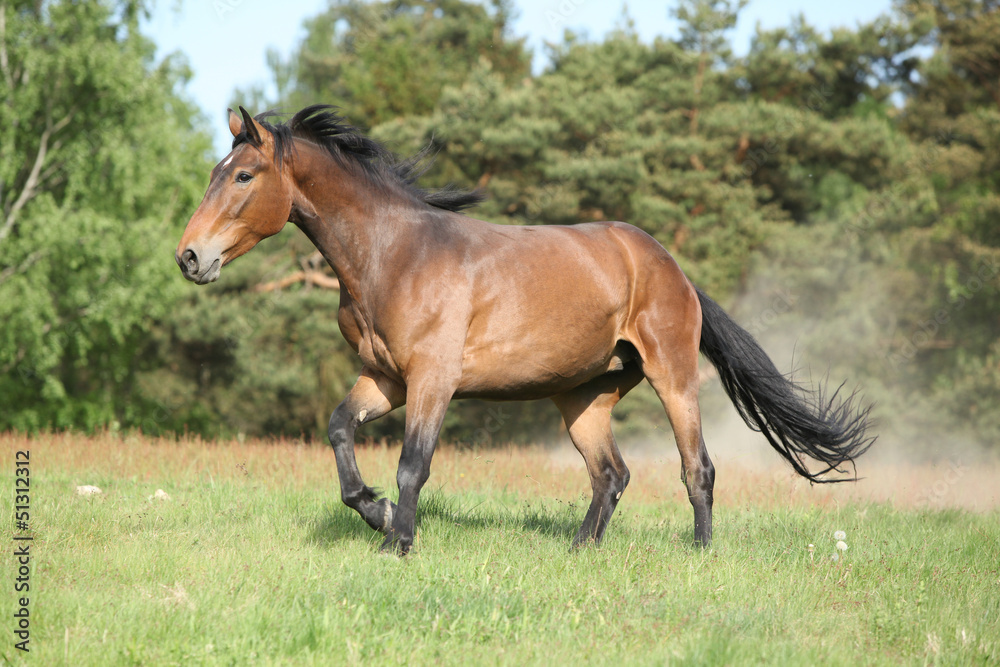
225 41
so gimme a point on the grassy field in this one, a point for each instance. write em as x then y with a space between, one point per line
253 560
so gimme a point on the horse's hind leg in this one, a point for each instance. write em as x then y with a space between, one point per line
670 363
372 397
697 471
587 412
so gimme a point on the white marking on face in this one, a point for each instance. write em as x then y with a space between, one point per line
228 160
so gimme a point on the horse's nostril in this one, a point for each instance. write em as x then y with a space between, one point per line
189 261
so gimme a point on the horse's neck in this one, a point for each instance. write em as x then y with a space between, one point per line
345 218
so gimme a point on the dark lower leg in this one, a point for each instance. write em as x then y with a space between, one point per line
700 481
411 477
368 400
587 412
608 487
697 471
360 497
423 424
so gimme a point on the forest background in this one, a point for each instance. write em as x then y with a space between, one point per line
838 192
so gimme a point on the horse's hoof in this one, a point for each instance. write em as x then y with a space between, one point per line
397 545
584 543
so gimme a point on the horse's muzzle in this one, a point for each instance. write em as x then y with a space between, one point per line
195 270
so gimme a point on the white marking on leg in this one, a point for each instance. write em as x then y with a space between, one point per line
362 415
387 516
619 496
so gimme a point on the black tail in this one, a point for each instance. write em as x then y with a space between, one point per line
795 420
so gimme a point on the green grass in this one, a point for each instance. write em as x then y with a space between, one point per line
251 568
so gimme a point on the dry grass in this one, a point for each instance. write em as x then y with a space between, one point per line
549 471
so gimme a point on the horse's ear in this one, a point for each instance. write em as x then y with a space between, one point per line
250 127
235 123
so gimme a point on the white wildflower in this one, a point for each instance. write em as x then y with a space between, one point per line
840 535
88 490
841 546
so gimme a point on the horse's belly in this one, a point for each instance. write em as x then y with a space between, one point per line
520 373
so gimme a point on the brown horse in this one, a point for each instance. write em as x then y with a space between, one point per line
441 306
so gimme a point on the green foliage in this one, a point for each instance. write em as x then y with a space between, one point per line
850 177
101 157
703 23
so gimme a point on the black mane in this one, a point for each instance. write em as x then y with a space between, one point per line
320 124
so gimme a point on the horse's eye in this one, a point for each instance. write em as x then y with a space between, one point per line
243 177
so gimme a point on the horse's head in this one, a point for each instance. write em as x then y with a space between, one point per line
249 198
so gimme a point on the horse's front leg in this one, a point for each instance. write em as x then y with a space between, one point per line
425 408
373 396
